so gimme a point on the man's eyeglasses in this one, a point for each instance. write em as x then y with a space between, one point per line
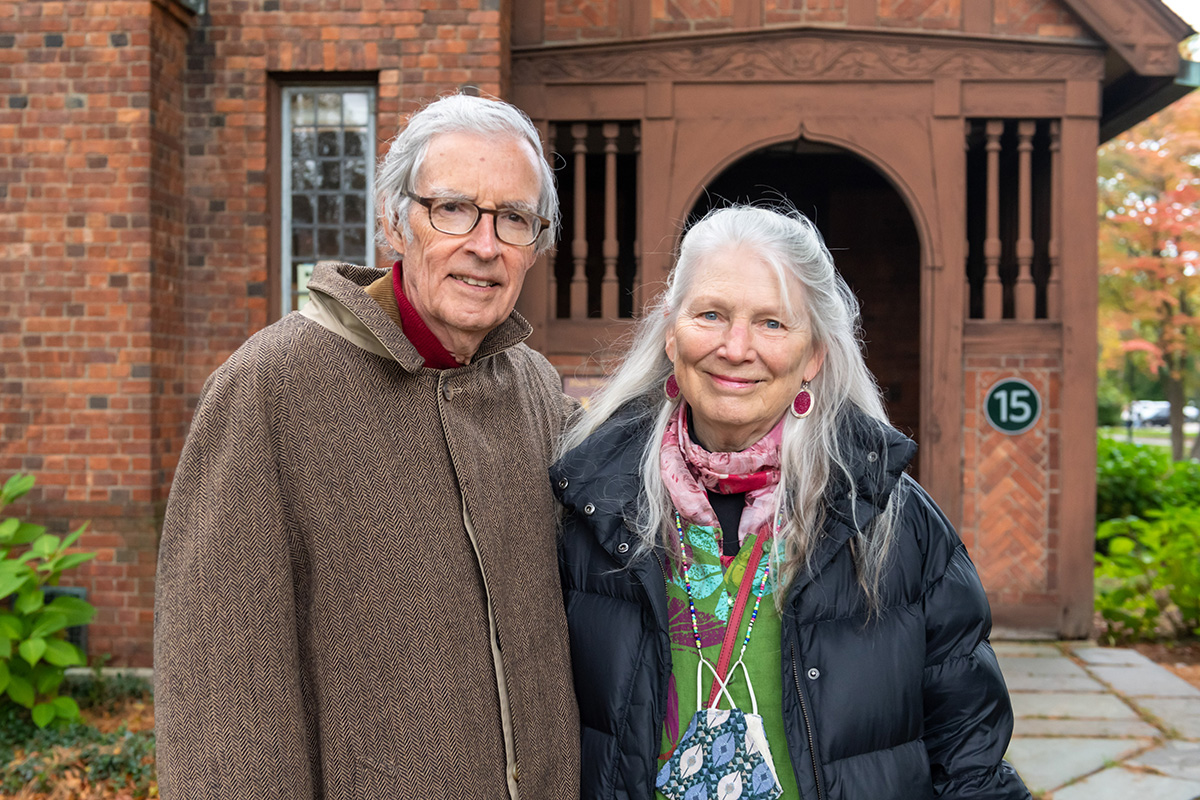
459 217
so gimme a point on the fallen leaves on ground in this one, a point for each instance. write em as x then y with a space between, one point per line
136 716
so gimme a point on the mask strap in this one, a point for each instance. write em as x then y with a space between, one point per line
717 678
724 685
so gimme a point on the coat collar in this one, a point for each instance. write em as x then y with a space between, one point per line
339 291
605 471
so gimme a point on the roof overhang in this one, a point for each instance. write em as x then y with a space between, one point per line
1144 71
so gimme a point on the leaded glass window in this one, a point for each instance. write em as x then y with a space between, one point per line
328 176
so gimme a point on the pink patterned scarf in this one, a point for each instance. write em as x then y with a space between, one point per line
689 470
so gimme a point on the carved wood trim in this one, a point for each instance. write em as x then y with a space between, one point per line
806 57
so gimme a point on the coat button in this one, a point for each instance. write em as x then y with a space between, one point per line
562 484
589 509
872 457
447 392
623 548
814 673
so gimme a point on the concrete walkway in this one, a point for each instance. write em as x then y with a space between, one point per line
1100 723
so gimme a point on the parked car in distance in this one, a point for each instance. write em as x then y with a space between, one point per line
1147 413
1163 416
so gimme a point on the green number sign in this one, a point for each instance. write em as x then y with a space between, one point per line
1013 406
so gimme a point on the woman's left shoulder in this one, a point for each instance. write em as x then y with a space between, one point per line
923 524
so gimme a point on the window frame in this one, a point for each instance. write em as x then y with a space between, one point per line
280 300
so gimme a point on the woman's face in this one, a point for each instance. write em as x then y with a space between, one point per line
740 356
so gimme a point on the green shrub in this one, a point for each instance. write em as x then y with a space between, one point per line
1134 479
34 652
1181 484
1129 478
106 692
1148 578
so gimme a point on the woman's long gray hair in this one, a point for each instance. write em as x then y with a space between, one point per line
812 452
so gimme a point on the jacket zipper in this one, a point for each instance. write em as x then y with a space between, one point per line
663 570
807 725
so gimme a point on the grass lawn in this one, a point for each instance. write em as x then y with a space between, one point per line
1152 436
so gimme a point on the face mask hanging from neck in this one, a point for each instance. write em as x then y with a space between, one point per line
723 754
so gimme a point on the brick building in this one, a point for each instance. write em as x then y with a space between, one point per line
170 169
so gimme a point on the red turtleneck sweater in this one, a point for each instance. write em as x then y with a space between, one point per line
436 356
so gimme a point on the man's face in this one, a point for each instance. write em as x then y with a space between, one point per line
465 286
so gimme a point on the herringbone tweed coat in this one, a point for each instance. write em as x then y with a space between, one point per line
322 621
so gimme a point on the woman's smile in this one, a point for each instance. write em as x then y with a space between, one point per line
741 350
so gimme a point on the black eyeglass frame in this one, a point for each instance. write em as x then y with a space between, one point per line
479 212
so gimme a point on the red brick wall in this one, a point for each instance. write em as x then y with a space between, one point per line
1011 485
419 49
168 220
678 16
77 291
1037 18
927 14
791 12
134 217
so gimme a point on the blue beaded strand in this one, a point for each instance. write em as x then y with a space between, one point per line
687 585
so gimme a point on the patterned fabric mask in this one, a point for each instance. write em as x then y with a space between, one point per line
723 755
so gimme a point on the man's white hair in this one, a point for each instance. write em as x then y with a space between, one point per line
459 113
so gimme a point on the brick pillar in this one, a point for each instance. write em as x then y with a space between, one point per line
1011 494
86 259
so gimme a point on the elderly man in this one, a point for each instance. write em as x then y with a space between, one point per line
357 588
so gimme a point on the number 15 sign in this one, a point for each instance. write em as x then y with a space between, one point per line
1012 406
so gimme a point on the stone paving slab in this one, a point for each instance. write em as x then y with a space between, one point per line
1025 649
1176 759
1045 763
1147 681
1182 714
1091 654
1044 674
1040 665
1077 705
1102 728
1116 783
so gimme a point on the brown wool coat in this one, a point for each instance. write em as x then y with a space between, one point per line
342 521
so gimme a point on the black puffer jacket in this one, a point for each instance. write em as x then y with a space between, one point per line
905 706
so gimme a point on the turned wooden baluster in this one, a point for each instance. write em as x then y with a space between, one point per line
993 292
609 286
967 243
1024 295
579 244
1053 284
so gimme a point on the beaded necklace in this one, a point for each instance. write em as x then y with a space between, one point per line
687 585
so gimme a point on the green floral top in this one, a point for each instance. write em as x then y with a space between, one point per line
715 593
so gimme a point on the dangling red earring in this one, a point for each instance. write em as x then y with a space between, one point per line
802 405
671 387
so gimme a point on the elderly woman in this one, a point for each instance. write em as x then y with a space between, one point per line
761 602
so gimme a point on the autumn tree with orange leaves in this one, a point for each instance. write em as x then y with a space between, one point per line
1150 254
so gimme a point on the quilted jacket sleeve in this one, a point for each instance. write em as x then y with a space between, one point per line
228 689
968 716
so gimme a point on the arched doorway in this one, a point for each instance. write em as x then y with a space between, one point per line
874 243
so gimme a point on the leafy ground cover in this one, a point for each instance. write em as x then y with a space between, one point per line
108 755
